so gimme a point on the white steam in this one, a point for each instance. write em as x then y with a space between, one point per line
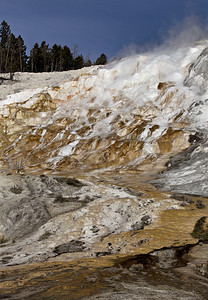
180 35
186 33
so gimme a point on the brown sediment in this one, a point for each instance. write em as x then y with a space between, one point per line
20 132
89 276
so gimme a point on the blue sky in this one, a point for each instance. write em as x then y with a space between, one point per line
98 26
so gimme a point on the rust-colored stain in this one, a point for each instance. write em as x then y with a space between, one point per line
20 134
27 148
85 277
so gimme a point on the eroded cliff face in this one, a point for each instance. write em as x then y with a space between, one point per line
76 156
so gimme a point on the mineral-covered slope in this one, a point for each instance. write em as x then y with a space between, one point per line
126 116
85 155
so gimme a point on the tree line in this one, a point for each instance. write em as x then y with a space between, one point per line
42 58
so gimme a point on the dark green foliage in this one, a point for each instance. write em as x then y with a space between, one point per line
101 60
44 57
87 63
12 51
34 62
61 58
21 54
78 62
13 56
67 59
5 34
56 57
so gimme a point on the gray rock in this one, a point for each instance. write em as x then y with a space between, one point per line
22 216
72 246
28 202
198 72
146 220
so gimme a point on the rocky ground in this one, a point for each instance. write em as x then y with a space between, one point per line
48 216
116 240
177 273
84 213
23 84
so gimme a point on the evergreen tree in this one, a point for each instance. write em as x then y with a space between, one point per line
5 34
78 62
12 50
12 61
35 59
44 57
101 60
21 54
13 56
87 63
56 58
67 59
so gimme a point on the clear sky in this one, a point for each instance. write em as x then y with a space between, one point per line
98 25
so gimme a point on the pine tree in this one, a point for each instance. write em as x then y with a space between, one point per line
67 59
78 62
12 58
35 61
44 57
12 50
13 55
56 57
87 63
21 54
5 34
101 60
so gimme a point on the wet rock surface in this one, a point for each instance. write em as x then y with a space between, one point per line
47 216
28 202
89 224
198 72
187 172
73 246
70 247
177 273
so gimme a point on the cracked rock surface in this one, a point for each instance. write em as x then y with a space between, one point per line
45 216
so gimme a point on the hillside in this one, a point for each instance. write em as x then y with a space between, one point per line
105 164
